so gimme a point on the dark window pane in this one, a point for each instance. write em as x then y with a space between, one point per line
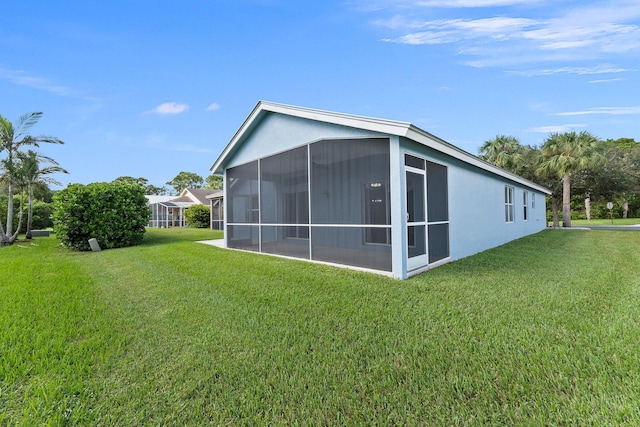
376 204
437 189
243 193
413 161
344 245
284 187
278 240
438 242
243 237
341 169
416 240
415 197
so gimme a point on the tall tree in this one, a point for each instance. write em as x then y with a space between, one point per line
213 182
12 138
503 151
30 173
149 189
186 180
564 154
617 177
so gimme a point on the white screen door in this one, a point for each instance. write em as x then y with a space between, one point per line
416 219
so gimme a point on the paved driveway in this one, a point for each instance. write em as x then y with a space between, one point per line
612 227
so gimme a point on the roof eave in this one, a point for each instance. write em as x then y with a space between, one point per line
425 138
383 126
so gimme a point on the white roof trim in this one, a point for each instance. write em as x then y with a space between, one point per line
389 127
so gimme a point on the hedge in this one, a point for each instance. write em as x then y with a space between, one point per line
198 216
114 213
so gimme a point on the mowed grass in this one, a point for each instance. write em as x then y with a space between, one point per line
542 331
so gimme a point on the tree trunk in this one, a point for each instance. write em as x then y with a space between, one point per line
9 228
625 207
566 201
15 234
29 213
587 207
554 211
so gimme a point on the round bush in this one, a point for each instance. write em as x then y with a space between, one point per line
114 213
198 216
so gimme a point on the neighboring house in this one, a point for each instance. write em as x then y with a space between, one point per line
216 204
367 193
168 211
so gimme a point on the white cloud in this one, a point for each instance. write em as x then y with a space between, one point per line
597 69
471 3
603 110
23 78
606 80
556 128
592 30
170 108
377 5
213 107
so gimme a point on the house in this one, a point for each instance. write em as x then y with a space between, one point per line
366 193
168 211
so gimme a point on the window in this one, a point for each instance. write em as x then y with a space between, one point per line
508 204
533 200
296 211
243 207
525 202
376 211
437 211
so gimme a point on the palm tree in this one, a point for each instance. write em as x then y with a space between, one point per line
564 154
12 139
503 151
30 174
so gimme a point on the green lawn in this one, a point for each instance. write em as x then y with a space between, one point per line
542 331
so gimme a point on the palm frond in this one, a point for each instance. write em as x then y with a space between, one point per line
27 121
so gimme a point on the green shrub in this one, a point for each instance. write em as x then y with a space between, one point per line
198 216
42 212
115 214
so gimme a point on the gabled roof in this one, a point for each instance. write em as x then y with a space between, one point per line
383 126
216 194
175 204
152 199
197 195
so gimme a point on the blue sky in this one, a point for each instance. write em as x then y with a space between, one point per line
149 88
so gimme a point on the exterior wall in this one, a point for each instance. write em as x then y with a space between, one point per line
277 133
477 206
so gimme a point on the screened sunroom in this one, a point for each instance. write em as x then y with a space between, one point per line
347 218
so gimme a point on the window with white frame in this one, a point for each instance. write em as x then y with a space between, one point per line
533 200
525 202
508 204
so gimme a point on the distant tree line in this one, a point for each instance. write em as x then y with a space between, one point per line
177 184
582 171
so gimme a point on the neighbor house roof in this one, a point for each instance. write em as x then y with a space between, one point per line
389 127
197 195
216 194
187 197
152 199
